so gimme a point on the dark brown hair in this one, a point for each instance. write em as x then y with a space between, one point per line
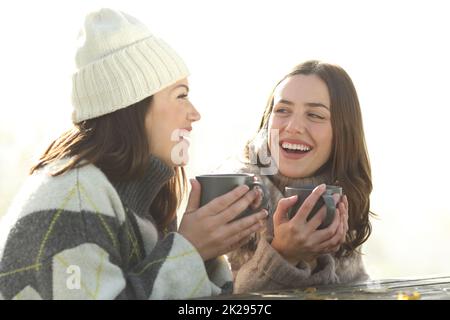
117 144
349 161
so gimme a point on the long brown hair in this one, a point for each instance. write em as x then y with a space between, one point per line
117 144
349 161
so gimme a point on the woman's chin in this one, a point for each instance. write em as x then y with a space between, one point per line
293 173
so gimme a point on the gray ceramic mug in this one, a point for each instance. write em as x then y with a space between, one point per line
216 185
327 199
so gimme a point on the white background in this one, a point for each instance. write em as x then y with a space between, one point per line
396 52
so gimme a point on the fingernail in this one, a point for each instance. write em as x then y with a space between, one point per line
292 198
321 186
244 188
258 191
266 213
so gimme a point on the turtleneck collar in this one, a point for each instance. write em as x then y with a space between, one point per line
281 181
139 194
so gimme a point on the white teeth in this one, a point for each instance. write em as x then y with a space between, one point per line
292 146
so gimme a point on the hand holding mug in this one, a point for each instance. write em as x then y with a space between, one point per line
300 239
212 228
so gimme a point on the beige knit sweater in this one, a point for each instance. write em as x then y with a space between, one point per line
257 266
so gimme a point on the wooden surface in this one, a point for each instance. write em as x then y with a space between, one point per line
437 288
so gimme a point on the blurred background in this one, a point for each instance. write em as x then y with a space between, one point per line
397 53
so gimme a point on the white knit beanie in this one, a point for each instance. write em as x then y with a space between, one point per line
120 63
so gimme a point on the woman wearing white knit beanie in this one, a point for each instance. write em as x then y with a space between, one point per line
96 219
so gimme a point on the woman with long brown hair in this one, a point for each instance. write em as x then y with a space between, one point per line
313 132
96 219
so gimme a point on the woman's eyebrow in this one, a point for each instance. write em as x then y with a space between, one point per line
316 104
309 104
284 101
181 85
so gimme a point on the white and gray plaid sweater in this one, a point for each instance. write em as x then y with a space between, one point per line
79 236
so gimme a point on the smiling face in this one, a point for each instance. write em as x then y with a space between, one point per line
168 122
301 113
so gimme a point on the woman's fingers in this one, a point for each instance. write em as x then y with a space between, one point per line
330 231
237 226
242 238
280 214
238 230
194 196
238 207
317 220
221 203
336 240
258 200
333 244
344 212
308 204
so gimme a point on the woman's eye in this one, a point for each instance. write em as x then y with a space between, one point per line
182 96
281 110
316 116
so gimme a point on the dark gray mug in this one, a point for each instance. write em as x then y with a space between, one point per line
326 199
216 185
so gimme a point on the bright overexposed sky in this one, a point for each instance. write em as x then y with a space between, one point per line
396 52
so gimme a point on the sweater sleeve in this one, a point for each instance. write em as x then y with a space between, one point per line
85 267
266 269
175 270
54 250
217 269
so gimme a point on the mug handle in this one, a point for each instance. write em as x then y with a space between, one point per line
265 199
331 210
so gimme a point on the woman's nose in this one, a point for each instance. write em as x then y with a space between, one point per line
193 114
296 125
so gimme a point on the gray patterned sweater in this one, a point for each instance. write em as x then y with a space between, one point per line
256 266
78 236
